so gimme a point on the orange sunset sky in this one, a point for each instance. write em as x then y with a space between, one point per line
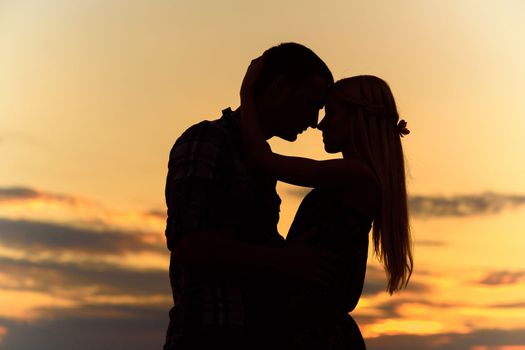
93 93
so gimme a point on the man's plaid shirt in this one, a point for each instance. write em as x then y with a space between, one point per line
209 187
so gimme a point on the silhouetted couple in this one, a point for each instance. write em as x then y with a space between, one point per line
237 284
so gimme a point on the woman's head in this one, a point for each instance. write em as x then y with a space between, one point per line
356 108
362 120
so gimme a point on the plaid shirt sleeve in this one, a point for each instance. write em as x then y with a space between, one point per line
195 182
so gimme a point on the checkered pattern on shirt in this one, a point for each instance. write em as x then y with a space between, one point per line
209 188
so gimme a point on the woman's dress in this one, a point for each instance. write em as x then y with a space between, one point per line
319 319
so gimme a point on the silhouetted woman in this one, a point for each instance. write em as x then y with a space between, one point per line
364 190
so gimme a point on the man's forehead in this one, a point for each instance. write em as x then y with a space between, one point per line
317 86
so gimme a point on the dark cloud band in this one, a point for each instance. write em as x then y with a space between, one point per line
450 206
37 236
67 278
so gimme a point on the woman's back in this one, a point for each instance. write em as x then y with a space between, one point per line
325 220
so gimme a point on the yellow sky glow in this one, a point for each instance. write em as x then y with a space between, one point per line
93 95
24 305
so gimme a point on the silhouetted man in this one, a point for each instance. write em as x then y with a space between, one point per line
228 262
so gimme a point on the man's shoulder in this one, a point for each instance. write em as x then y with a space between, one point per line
207 138
205 130
208 130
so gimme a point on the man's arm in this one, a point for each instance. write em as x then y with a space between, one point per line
219 252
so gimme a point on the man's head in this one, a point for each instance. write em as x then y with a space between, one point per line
291 90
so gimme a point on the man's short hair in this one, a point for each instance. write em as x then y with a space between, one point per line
293 61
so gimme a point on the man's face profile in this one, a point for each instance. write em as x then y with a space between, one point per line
300 107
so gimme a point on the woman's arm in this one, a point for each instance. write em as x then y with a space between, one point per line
294 170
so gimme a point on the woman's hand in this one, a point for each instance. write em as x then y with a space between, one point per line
299 171
250 78
257 149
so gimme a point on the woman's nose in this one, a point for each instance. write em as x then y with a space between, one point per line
313 120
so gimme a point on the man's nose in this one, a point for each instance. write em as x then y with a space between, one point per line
320 126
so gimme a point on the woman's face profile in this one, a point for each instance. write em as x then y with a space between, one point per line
335 126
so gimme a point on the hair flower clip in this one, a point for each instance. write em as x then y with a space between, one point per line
402 128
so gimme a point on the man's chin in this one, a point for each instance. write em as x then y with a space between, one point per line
288 137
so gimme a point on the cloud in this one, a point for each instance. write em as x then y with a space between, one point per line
520 305
394 307
107 323
376 283
109 326
449 206
37 236
67 278
160 214
496 278
32 204
141 327
391 308
22 193
430 243
449 341
463 205
107 310
3 331
17 193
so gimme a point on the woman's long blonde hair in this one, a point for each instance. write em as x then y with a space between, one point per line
376 138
